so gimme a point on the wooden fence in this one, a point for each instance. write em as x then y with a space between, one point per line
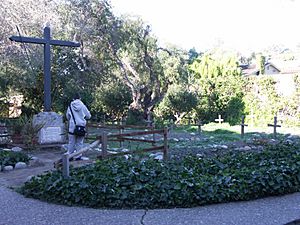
104 138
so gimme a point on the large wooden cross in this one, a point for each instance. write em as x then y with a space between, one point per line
47 42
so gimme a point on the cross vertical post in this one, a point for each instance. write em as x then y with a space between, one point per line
243 127
47 70
274 126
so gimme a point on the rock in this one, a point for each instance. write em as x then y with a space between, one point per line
85 158
224 146
288 142
8 168
175 139
193 134
111 152
292 137
247 148
29 178
35 162
64 147
158 157
260 148
17 149
20 165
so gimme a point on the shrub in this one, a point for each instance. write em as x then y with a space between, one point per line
193 181
9 158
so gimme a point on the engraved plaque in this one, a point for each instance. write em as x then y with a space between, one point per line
51 134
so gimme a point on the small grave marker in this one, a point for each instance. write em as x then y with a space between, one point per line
274 125
189 120
219 120
121 130
171 124
243 125
199 124
149 121
104 119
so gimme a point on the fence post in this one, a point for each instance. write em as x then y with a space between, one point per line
104 144
66 166
121 131
154 137
165 151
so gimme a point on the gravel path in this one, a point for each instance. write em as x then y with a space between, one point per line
18 210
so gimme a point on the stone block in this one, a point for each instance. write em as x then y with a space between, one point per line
20 165
53 131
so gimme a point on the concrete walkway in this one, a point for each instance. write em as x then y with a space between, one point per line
18 210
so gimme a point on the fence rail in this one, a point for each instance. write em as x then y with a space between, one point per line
104 138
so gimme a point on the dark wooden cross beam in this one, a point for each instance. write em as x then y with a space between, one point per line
47 42
220 120
274 125
243 125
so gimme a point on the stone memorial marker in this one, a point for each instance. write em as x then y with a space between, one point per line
53 130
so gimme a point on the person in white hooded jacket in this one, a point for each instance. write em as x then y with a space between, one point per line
81 113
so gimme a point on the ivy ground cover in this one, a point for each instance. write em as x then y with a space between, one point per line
188 182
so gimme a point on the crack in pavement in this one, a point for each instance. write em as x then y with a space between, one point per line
143 217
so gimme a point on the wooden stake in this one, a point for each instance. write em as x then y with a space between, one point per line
165 151
104 144
66 166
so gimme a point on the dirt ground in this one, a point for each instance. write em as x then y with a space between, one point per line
46 158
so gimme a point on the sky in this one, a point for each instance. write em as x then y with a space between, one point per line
242 25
